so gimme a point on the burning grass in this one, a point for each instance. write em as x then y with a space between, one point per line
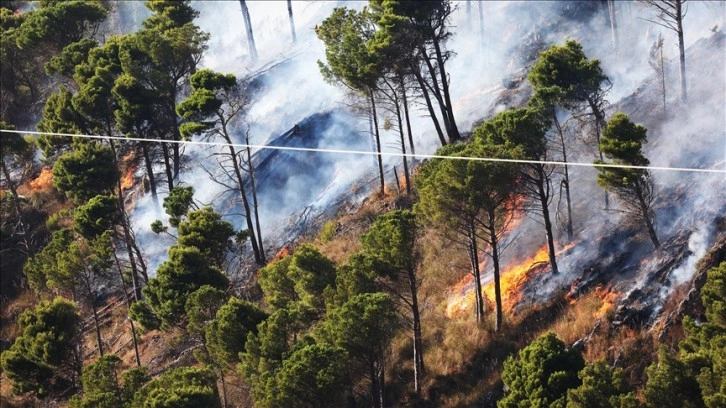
512 279
43 182
581 315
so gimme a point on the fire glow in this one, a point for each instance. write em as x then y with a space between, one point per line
512 279
43 181
128 180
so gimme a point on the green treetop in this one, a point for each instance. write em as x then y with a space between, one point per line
89 170
541 374
182 387
622 142
45 348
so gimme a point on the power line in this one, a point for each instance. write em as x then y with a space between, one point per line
371 153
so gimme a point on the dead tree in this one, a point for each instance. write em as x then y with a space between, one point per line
670 15
248 27
657 62
292 21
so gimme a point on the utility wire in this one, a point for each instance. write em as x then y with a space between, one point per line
371 153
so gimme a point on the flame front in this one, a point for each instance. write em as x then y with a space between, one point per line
128 180
43 181
512 278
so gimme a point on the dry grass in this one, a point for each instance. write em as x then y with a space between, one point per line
11 309
580 317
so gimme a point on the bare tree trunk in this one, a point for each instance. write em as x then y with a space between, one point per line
406 176
125 226
436 89
566 181
128 307
418 364
259 257
543 193
599 122
454 136
255 204
481 23
167 166
248 27
645 209
16 207
408 118
430 106
224 388
292 21
375 385
613 24
95 322
150 175
497 281
378 143
663 82
474 257
681 49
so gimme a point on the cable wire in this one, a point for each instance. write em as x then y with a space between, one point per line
371 153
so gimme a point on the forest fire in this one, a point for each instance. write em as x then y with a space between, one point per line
609 298
128 180
43 181
513 277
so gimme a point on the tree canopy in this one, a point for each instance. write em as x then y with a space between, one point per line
44 356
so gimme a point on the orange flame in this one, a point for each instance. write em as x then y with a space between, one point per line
283 252
512 278
43 181
609 298
128 180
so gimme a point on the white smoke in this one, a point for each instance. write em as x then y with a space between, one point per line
295 90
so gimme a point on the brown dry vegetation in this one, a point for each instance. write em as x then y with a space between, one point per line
463 359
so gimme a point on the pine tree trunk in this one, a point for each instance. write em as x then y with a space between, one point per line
125 226
681 49
16 206
259 258
663 81
408 119
150 174
406 176
599 122
454 136
474 257
292 21
167 166
176 135
646 216
497 281
378 144
437 94
430 106
543 194
418 364
566 182
224 388
128 307
255 204
613 24
98 328
375 385
248 27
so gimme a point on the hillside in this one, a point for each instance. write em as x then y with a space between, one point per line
459 204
